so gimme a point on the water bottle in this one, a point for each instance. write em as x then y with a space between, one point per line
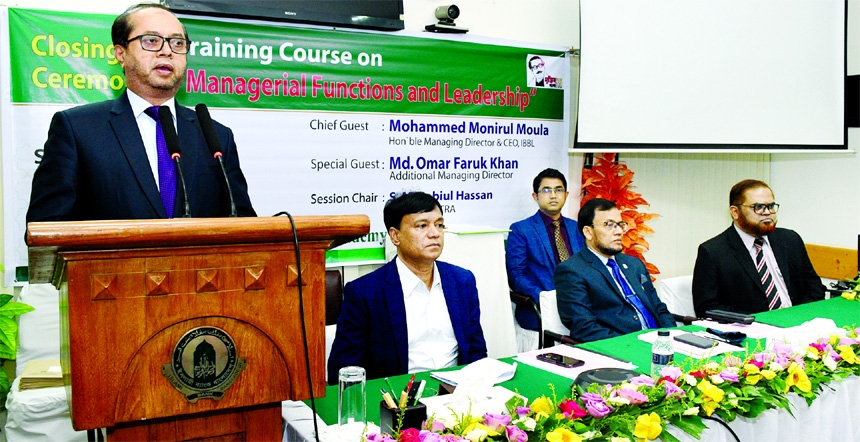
662 352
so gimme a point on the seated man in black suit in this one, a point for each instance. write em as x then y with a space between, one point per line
753 266
602 292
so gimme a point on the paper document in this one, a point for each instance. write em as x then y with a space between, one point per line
483 369
689 350
41 373
447 407
592 360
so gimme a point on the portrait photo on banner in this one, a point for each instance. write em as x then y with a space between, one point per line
545 71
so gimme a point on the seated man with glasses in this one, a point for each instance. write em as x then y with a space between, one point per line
108 160
535 246
753 266
601 292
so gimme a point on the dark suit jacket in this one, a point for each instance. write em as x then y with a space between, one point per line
530 261
590 303
95 167
725 277
371 328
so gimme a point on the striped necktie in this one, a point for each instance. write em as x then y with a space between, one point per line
767 282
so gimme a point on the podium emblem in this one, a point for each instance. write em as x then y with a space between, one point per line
204 364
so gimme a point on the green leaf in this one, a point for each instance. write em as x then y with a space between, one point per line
9 334
756 407
4 298
12 309
691 425
668 437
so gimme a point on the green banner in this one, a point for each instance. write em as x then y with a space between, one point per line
61 57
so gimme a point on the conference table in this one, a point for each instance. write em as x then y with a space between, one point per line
808 423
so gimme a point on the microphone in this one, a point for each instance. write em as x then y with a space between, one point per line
214 143
172 141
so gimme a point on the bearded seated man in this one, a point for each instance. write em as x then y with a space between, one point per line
753 266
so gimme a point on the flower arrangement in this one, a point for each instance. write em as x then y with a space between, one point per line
852 294
641 408
612 180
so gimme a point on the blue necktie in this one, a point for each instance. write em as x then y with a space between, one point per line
645 317
166 168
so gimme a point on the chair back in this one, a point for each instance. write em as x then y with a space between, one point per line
677 294
333 296
551 321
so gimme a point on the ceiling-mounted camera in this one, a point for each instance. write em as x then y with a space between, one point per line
446 15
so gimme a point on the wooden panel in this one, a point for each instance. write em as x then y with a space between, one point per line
116 347
46 238
129 290
261 423
833 262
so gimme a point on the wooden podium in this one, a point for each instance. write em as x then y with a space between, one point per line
188 329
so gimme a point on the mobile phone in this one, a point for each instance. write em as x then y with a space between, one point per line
695 340
560 360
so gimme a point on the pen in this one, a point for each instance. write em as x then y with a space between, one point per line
389 402
409 385
390 388
420 392
404 396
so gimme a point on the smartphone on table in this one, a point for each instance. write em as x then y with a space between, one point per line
560 360
695 340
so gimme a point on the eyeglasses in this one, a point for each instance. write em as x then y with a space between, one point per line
611 225
549 190
536 65
759 208
154 43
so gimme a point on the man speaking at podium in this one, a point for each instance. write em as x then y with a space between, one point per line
109 160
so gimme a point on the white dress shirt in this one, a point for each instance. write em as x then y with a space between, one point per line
147 128
770 260
432 344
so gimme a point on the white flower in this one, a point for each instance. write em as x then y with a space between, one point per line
712 366
530 424
773 366
691 380
691 411
618 400
476 435
716 379
829 362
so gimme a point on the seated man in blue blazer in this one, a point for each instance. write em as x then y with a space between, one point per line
414 313
533 249
104 160
602 292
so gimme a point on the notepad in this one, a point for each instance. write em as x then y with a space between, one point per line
41 373
485 369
